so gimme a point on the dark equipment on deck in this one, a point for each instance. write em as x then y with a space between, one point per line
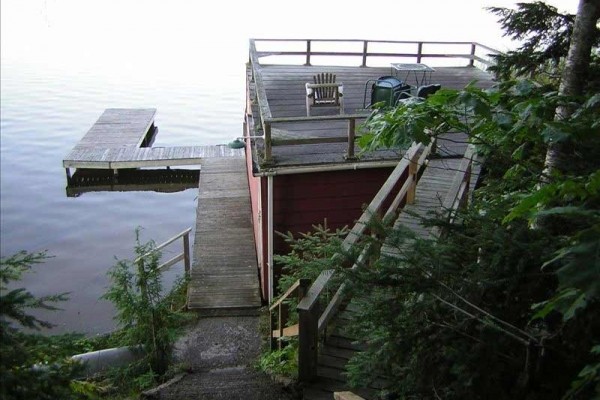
386 89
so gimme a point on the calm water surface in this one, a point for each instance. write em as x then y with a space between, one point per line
44 113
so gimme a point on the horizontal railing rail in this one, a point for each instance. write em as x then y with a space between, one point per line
183 256
308 51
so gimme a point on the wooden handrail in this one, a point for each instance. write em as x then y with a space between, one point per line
278 329
311 321
365 54
456 196
183 256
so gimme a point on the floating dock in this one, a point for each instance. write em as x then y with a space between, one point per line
120 139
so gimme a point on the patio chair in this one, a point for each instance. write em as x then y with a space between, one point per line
427 90
324 92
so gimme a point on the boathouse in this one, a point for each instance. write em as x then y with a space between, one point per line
303 163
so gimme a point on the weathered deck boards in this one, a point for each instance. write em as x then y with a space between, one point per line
132 157
286 94
115 142
225 271
118 127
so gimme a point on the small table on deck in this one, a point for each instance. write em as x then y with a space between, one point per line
420 72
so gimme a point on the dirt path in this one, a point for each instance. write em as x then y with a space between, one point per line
220 353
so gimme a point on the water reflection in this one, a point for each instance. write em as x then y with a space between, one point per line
129 180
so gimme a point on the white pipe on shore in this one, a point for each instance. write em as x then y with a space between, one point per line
102 360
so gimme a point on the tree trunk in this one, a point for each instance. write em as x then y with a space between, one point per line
573 78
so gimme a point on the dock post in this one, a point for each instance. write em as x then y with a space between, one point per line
68 171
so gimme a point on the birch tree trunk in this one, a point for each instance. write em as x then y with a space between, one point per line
573 78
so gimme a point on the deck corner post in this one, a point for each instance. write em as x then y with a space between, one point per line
308 342
308 42
68 171
364 55
419 52
472 58
351 136
268 145
413 169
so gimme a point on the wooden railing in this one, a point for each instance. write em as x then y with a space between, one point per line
183 256
266 123
313 322
471 51
280 309
456 197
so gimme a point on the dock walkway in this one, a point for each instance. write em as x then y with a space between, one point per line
120 139
224 275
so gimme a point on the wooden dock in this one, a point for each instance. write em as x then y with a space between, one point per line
225 273
120 139
224 276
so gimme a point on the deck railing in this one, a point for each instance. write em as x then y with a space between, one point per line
183 256
308 49
312 320
370 50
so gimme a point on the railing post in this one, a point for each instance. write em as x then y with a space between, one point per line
351 136
186 253
419 52
472 61
267 132
364 56
280 324
308 343
307 53
413 169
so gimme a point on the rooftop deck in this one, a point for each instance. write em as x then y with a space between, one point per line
285 139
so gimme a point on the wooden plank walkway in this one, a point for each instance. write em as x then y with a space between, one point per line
132 157
117 141
119 127
224 275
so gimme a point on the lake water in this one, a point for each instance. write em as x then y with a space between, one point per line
64 61
44 113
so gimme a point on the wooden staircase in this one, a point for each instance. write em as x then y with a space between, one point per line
325 346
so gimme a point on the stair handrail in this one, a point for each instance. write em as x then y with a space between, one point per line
183 256
278 330
311 323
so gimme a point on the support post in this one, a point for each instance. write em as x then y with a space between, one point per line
308 343
270 235
364 55
186 253
472 60
351 136
308 53
268 145
413 169
419 52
